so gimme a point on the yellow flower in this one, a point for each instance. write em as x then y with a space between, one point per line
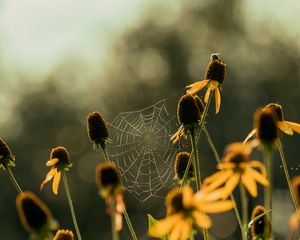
59 161
64 235
6 157
110 187
188 115
295 217
185 209
214 78
235 167
285 126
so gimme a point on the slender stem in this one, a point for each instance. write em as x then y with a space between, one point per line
115 235
105 154
127 219
287 175
196 158
192 235
13 180
217 157
64 177
244 202
268 190
204 114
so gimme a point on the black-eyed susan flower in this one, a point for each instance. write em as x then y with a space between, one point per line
214 78
34 215
6 157
181 163
237 167
185 210
59 161
97 130
188 115
294 219
285 126
110 187
260 223
64 235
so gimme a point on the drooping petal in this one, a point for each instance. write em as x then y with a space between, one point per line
284 127
294 221
226 165
217 99
258 177
257 164
118 221
176 231
52 162
249 183
230 185
294 126
201 219
163 227
218 206
187 194
196 87
55 183
186 227
221 178
207 94
48 178
176 136
250 135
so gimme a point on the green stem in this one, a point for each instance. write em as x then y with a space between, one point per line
196 158
64 177
268 189
105 154
115 235
287 176
127 219
204 114
13 180
244 203
217 157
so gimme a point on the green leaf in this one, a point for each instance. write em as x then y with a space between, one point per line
151 222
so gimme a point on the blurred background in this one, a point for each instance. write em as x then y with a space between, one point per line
60 60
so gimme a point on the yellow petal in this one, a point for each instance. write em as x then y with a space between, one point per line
249 183
226 165
217 99
294 126
216 207
250 135
201 219
48 178
294 222
52 162
186 227
163 227
258 177
187 194
219 180
213 84
196 87
176 231
118 221
207 94
284 127
259 165
230 185
55 183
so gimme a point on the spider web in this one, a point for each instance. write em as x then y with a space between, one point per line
142 150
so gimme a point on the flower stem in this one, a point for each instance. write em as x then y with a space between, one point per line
64 177
204 114
13 180
288 179
196 158
217 157
115 235
244 202
127 219
268 190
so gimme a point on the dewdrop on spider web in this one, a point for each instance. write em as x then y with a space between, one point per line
142 150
